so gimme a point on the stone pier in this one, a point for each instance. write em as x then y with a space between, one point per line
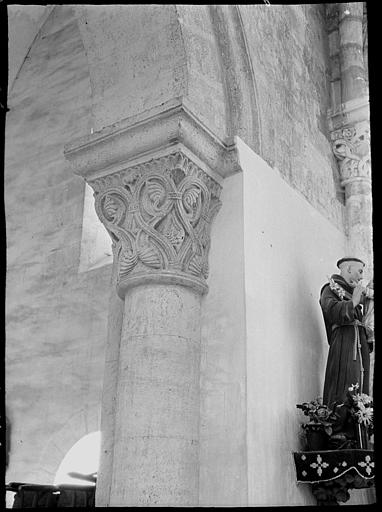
158 208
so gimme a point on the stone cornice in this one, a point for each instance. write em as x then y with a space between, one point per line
138 137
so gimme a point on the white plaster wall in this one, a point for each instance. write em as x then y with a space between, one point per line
289 248
264 346
223 457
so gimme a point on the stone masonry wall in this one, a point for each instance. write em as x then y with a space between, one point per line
56 318
288 48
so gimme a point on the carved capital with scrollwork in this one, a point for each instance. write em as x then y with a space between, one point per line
159 215
351 146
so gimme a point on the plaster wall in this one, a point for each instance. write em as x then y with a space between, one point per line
56 317
288 47
223 458
264 345
289 249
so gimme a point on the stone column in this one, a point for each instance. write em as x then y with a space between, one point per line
156 183
350 126
353 83
159 215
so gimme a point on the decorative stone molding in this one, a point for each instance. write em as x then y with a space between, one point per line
351 146
156 179
159 214
157 129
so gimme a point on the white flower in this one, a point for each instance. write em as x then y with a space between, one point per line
361 406
366 399
365 416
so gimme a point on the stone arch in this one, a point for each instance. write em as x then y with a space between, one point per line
143 58
238 74
135 57
82 422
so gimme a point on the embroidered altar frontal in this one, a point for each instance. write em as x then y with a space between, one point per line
324 465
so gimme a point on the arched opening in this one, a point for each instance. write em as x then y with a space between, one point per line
81 459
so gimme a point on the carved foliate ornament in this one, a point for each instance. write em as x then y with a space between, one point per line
159 217
351 146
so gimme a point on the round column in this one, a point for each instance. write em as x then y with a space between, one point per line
156 441
159 215
359 218
353 83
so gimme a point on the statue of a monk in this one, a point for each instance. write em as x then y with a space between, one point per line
342 301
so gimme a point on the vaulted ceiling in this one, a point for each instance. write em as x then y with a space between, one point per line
24 23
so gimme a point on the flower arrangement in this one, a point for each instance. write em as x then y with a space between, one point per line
361 408
348 425
318 414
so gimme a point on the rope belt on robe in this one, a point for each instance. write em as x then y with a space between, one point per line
356 345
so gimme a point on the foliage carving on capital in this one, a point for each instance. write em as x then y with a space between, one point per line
159 216
351 147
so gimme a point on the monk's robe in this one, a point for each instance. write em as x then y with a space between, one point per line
348 346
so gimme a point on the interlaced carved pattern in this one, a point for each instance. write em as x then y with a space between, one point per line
351 146
159 216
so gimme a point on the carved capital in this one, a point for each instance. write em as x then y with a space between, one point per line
159 215
351 146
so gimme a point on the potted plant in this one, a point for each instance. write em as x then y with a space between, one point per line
320 425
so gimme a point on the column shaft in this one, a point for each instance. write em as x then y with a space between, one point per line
351 51
359 220
156 442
